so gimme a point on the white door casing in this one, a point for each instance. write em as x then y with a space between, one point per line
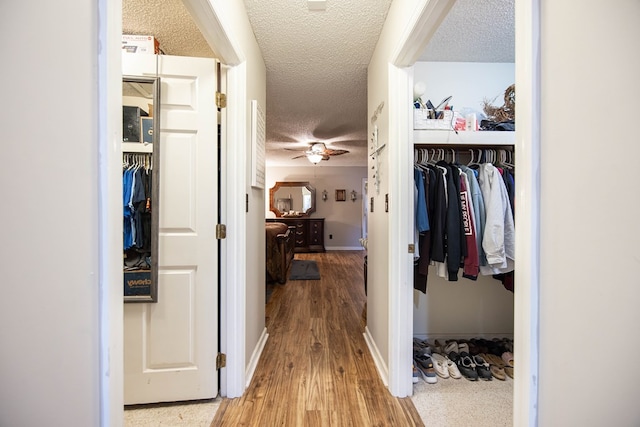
170 346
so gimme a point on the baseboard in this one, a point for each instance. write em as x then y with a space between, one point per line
344 248
255 357
377 357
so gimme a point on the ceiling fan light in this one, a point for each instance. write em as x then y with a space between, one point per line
318 147
314 158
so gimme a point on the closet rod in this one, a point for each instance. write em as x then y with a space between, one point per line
459 147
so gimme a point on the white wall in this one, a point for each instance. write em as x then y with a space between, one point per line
463 309
49 317
343 220
589 284
470 83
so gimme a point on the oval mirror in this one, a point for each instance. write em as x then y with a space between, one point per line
292 199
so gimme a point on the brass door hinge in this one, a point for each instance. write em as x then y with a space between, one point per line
221 360
221 231
221 100
412 248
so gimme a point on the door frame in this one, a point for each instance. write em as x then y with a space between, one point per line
526 318
209 19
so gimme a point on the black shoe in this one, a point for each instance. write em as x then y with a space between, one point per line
467 367
482 367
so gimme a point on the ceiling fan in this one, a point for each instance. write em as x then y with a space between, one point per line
318 151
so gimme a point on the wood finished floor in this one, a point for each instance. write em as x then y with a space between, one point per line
316 369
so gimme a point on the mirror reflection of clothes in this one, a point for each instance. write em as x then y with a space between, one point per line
136 192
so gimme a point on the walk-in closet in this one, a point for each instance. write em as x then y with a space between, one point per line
464 174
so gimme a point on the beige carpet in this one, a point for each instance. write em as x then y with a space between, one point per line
462 402
448 403
198 414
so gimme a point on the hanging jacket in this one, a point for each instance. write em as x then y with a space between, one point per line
454 232
498 240
437 200
471 263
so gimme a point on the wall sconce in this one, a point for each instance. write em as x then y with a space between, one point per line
354 195
325 195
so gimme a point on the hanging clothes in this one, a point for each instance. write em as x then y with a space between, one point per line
136 191
469 221
498 240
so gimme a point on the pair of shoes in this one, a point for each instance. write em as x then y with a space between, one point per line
440 365
507 356
454 372
451 346
425 366
496 365
482 367
465 365
421 347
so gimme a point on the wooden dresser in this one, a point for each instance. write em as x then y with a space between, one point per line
309 236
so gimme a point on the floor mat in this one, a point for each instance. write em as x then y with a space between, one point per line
304 270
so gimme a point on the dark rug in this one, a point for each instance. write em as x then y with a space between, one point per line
304 270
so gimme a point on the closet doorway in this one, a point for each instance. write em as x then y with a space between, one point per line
527 187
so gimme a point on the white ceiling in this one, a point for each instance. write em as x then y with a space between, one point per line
317 61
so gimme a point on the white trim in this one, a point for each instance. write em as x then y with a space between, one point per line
423 24
255 357
400 232
234 321
527 271
344 248
210 22
109 135
377 357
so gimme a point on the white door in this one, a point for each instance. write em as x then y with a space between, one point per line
170 346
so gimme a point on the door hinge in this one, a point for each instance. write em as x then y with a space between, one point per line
221 231
221 100
221 360
412 248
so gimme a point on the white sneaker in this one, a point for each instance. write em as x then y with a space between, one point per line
454 372
440 365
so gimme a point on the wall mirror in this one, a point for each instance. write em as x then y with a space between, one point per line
140 184
292 199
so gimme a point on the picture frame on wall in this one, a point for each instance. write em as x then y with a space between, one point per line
341 195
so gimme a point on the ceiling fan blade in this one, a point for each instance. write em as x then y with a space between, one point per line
331 152
300 156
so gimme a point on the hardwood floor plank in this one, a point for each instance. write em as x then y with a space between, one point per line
316 369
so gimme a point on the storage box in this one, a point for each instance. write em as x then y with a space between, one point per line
147 129
140 44
421 119
131 123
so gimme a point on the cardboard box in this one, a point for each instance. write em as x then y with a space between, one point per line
140 44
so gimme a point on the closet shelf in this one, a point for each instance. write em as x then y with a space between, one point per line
449 137
136 147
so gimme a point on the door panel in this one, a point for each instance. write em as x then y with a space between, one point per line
171 346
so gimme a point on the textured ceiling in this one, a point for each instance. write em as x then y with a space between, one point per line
317 61
475 31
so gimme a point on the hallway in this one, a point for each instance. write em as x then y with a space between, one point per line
315 369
